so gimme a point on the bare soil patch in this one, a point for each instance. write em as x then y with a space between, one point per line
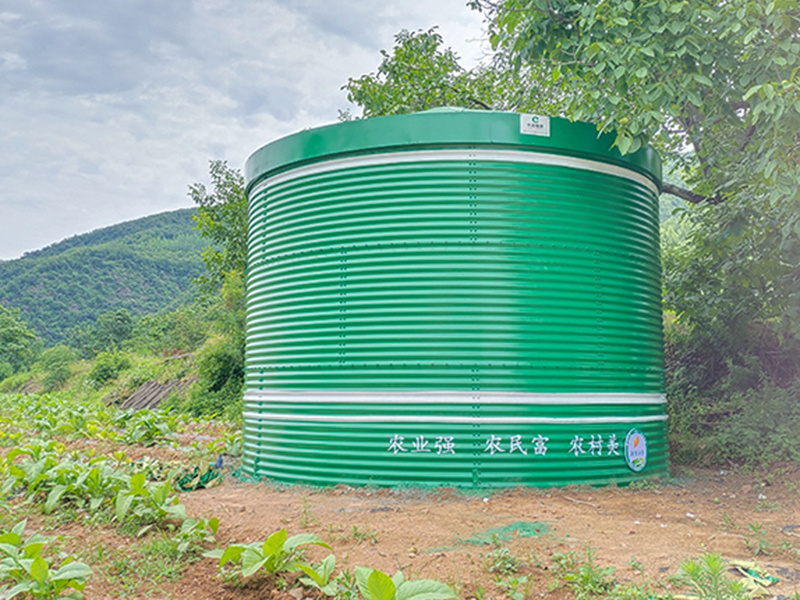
449 534
439 534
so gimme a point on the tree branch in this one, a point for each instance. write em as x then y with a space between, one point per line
689 195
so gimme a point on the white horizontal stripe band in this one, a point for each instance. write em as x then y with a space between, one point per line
454 397
459 155
437 419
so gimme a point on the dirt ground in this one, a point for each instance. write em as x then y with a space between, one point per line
450 535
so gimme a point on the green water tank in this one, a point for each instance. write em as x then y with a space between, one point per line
453 298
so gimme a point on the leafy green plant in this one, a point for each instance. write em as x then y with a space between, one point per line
194 533
516 588
278 554
500 561
377 585
362 534
83 485
306 517
107 366
320 576
145 427
756 539
706 576
26 571
32 473
148 504
583 575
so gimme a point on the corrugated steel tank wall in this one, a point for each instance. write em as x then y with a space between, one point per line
457 298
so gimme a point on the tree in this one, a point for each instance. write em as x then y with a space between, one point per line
222 219
420 74
107 333
715 86
18 344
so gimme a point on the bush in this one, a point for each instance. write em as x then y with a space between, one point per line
56 363
107 366
6 370
220 369
761 426
179 331
731 400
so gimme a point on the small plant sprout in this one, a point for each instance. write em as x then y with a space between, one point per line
500 562
306 517
708 580
756 539
516 588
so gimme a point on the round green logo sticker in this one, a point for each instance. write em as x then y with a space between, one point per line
635 450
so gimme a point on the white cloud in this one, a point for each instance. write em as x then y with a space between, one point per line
109 110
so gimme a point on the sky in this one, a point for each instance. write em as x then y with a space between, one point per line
110 109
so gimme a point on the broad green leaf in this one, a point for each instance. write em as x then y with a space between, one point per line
53 497
274 543
398 579
9 549
11 537
73 570
362 580
138 482
624 144
252 561
424 589
380 586
20 588
19 529
213 524
700 78
312 574
215 553
177 511
32 549
303 539
122 505
231 553
39 570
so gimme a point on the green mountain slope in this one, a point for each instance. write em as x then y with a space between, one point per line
144 266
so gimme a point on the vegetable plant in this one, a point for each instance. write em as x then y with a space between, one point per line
193 533
377 585
24 570
320 576
148 503
278 554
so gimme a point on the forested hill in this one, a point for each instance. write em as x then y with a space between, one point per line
143 266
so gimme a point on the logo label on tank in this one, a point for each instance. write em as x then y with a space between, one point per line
534 125
635 450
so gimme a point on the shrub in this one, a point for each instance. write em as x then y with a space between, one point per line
107 366
56 363
220 370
